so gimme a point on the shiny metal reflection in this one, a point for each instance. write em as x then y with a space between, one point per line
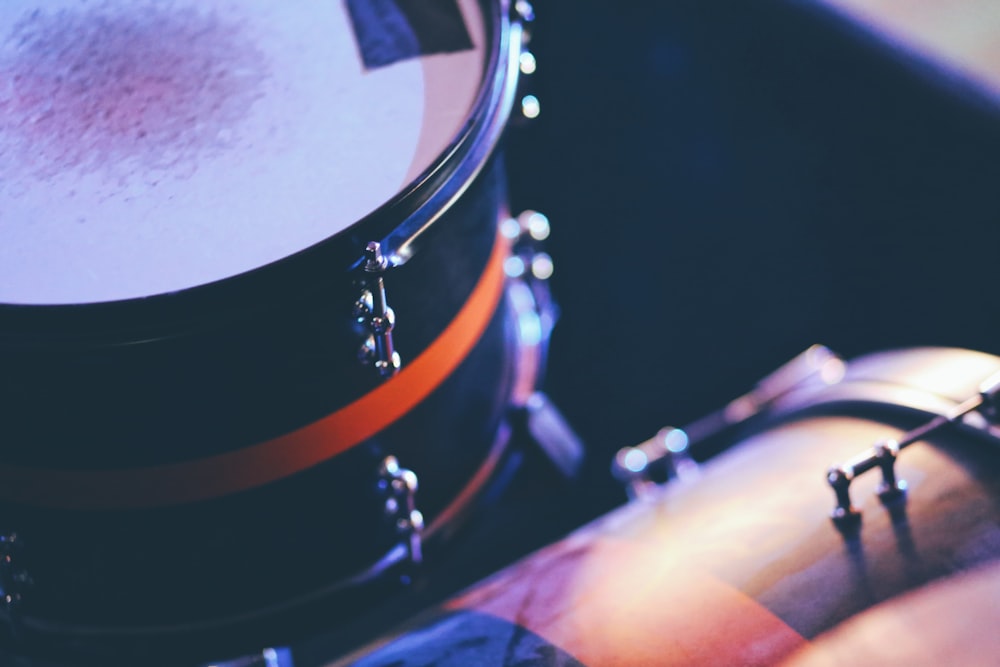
528 63
530 106
541 266
514 267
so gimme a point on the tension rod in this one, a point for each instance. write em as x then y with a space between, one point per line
884 453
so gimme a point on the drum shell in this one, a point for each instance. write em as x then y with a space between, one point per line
214 371
132 398
742 565
236 552
129 571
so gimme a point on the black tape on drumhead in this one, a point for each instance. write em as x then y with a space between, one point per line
389 31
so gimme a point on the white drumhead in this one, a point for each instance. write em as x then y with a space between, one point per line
150 147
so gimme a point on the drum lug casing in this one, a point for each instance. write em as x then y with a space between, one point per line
528 269
373 312
892 491
666 453
398 486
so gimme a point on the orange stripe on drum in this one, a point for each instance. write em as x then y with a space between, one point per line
619 602
280 457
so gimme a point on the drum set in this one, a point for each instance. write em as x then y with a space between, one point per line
271 342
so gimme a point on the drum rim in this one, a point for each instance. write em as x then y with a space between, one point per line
397 223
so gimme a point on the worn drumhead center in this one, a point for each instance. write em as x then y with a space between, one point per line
152 147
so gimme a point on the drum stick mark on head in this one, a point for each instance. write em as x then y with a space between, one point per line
91 87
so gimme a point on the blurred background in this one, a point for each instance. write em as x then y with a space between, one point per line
729 182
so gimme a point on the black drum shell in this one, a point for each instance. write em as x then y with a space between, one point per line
174 379
225 556
242 376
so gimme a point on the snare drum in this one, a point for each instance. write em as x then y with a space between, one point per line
251 290
743 564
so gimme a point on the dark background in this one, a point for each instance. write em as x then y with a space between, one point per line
730 182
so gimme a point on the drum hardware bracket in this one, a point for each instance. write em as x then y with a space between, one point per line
528 269
548 429
13 580
373 312
399 488
883 455
667 453
669 450
525 13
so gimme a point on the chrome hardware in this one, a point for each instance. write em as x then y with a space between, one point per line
549 429
989 393
531 107
891 488
664 454
526 232
667 454
524 13
524 10
528 104
269 657
883 455
373 312
528 268
363 306
14 580
399 486
844 515
527 63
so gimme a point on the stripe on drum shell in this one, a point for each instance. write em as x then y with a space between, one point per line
280 457
388 31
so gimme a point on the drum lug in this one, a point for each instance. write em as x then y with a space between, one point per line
666 453
890 491
891 488
844 515
883 455
528 261
373 312
530 107
14 580
399 488
525 11
528 269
